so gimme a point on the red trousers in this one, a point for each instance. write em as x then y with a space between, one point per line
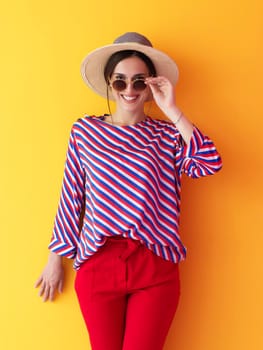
128 296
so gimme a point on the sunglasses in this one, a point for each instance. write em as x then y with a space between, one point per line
137 84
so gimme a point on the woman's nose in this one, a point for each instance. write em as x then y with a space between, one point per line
129 86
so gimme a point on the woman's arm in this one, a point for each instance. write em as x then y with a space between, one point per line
163 94
199 157
67 224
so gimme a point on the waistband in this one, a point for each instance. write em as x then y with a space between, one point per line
131 245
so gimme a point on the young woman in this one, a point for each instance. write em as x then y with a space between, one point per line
119 210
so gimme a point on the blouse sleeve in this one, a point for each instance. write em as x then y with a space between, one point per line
66 230
200 157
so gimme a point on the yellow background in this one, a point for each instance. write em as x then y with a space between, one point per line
218 47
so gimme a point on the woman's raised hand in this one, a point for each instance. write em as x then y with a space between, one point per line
163 93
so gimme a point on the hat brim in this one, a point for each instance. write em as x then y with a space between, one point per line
92 67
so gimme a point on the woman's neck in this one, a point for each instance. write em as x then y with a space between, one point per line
126 118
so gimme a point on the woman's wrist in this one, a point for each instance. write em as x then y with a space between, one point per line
175 115
55 258
178 118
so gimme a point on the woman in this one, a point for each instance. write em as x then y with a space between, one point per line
118 215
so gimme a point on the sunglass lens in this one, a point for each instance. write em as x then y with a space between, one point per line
119 85
139 85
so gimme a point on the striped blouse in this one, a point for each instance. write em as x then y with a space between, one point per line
126 181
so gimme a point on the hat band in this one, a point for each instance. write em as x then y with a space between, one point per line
132 37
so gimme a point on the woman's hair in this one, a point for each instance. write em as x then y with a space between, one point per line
121 55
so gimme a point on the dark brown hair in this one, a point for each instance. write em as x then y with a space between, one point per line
121 55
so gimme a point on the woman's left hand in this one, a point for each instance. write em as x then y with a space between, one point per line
163 92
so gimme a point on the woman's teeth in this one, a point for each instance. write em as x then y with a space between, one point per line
129 98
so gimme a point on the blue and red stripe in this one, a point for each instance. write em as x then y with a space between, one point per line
128 179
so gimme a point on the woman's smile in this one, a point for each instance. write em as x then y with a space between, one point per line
128 98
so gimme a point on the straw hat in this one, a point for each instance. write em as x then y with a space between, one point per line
92 68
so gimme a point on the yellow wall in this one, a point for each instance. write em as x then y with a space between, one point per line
218 47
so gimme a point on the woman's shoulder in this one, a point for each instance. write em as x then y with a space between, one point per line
87 120
83 125
163 124
159 121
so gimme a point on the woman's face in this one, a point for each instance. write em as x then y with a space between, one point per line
129 70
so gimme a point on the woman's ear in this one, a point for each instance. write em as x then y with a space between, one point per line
109 84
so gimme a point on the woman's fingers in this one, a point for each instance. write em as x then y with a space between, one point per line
60 286
47 292
158 82
160 86
51 280
39 281
42 289
51 293
162 91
